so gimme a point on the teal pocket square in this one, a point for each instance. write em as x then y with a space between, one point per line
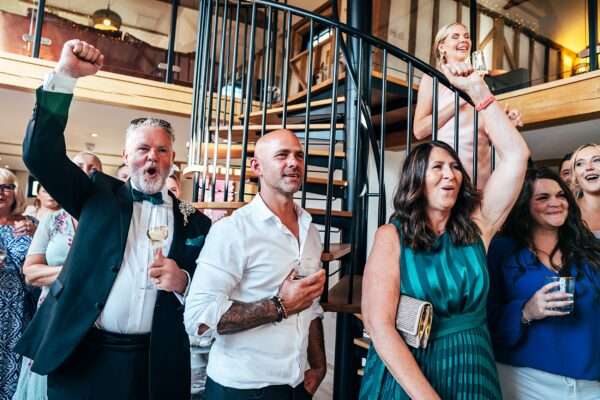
197 241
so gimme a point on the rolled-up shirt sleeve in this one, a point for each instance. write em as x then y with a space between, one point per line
219 270
316 311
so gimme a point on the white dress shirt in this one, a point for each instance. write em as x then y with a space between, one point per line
246 258
130 304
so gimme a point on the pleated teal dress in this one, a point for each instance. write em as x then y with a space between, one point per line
458 361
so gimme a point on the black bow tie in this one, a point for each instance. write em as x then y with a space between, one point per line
155 198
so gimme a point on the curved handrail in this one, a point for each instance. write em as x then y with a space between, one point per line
391 49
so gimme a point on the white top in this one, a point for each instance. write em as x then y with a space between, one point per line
130 304
246 258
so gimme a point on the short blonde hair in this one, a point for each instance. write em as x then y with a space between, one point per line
574 158
6 176
441 35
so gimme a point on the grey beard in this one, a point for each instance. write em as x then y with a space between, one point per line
147 186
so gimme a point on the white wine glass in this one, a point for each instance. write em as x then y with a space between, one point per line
158 233
478 62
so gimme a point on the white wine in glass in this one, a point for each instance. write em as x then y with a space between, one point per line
478 62
158 232
158 235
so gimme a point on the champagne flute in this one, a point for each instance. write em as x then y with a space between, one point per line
158 232
478 62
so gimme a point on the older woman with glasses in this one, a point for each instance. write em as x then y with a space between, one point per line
14 242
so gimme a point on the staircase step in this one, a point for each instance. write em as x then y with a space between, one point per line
395 85
274 115
336 251
234 205
237 151
362 343
272 127
337 299
235 172
339 219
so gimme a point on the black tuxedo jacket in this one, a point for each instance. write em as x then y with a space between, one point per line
103 207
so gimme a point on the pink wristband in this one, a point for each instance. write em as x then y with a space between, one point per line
485 103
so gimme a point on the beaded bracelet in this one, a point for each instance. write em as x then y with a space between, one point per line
281 311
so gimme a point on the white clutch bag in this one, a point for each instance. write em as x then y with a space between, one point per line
413 320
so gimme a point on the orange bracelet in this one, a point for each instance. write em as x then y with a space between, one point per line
485 103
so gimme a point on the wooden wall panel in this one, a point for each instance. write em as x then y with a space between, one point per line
425 40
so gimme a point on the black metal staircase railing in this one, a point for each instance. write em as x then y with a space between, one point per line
247 82
222 45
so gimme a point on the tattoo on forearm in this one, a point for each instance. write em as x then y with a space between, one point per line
243 316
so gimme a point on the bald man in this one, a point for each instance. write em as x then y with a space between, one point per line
248 295
88 162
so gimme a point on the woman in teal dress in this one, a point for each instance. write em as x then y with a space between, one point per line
434 250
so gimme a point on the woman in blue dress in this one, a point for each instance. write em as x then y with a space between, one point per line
545 340
14 311
47 253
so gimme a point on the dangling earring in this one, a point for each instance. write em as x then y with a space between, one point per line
444 60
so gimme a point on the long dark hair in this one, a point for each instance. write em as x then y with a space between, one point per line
410 202
576 242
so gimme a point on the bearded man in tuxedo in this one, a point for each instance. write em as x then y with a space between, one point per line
112 324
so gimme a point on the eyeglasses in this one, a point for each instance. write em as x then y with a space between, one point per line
7 187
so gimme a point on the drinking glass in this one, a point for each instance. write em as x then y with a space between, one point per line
158 232
567 285
307 266
478 62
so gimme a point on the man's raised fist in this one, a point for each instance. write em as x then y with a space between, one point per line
79 59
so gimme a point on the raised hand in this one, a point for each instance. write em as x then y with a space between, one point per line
299 294
79 59
514 115
545 303
461 75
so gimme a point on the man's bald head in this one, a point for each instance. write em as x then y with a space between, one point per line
279 162
88 162
265 143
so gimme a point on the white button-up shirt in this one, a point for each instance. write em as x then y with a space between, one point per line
246 258
130 304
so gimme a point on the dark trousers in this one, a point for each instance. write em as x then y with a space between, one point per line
214 391
104 366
